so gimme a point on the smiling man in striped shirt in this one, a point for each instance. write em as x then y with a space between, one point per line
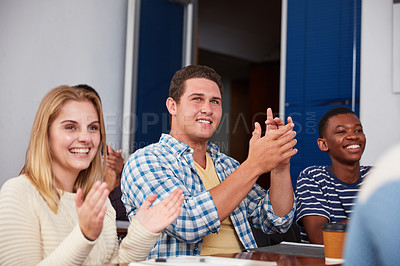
327 193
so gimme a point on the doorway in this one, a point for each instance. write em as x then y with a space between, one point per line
241 41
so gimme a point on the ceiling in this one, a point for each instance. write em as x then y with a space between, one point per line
248 30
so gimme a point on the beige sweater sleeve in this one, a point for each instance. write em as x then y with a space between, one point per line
20 236
137 244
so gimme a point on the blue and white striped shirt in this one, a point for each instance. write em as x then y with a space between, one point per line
164 166
319 192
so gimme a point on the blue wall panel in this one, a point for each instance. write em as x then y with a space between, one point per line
160 56
320 38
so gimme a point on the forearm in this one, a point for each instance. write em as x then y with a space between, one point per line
233 189
281 190
315 236
137 244
313 226
74 249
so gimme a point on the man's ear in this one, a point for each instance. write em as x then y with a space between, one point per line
171 106
323 146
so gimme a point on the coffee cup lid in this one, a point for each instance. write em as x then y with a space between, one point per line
338 227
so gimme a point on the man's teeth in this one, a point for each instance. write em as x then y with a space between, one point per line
80 151
204 121
354 146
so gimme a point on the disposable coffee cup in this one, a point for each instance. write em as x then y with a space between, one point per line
334 235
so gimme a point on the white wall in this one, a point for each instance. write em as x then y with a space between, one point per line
380 107
46 43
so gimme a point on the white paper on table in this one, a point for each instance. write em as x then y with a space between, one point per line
204 261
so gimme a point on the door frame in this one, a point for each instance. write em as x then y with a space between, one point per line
132 56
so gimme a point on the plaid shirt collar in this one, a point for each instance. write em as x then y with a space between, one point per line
179 148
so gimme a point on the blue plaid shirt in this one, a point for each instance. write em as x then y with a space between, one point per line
164 166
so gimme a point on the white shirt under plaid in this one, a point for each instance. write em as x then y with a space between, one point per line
162 167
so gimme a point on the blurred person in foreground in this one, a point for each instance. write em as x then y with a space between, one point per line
373 232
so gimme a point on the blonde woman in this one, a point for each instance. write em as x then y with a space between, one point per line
57 211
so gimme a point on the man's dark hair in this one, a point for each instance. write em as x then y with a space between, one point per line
88 88
323 123
176 88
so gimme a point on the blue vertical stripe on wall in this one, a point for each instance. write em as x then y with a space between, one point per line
160 56
320 37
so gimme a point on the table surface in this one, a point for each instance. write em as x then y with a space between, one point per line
280 259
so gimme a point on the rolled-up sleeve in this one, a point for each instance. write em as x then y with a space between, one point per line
262 214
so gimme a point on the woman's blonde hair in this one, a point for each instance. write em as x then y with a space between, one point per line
38 159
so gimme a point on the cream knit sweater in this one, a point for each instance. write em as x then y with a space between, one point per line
31 234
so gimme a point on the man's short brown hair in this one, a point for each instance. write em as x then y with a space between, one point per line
177 88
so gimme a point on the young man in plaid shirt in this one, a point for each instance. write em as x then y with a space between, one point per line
222 198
